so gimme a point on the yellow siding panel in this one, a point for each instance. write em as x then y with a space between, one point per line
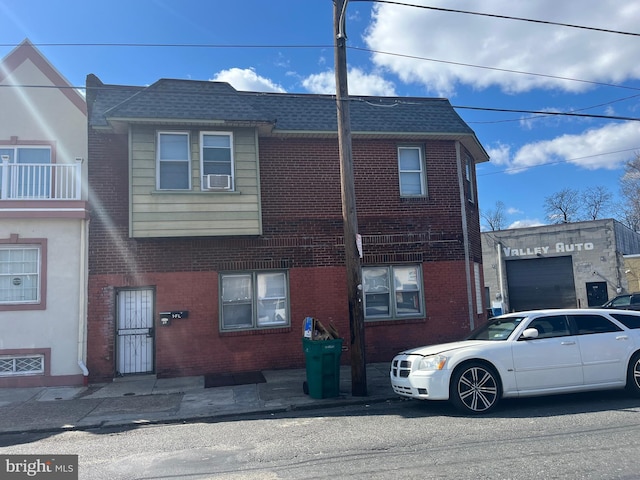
193 213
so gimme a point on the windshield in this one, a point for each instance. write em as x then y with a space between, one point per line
619 301
496 329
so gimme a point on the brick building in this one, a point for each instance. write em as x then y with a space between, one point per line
216 226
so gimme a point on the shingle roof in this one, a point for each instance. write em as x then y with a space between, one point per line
205 101
367 114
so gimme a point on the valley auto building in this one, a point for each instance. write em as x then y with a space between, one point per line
557 266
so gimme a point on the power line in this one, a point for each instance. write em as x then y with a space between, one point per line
535 117
367 50
355 98
165 45
563 114
557 162
506 17
519 72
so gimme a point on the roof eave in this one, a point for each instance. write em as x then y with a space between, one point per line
469 140
261 124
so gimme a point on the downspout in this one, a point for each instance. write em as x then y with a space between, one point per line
82 301
82 304
503 303
465 236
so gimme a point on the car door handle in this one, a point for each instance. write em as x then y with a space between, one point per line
567 343
622 337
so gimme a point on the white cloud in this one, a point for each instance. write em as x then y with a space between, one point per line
513 211
500 154
359 83
525 223
608 147
247 80
506 44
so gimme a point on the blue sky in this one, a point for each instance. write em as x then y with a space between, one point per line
286 45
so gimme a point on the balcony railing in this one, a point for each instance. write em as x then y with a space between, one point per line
36 181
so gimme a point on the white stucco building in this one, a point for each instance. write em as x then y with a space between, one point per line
43 224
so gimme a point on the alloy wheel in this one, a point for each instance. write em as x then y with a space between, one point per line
477 389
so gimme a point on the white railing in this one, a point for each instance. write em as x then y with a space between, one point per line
36 181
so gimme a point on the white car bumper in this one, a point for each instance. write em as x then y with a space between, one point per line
407 381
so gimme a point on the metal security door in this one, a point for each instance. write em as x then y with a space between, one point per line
597 293
135 333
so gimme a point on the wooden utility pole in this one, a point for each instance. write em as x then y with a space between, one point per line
349 216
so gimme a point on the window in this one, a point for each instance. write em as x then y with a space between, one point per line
589 324
19 274
29 173
621 301
22 365
551 326
174 161
411 171
216 160
628 320
392 292
468 178
254 300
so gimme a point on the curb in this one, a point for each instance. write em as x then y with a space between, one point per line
105 424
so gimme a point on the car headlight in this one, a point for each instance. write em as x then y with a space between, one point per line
432 362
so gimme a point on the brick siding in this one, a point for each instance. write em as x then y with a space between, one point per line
302 232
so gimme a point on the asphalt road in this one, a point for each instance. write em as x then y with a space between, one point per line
586 436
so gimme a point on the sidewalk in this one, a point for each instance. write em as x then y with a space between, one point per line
140 400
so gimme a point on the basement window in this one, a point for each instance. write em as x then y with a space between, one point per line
22 365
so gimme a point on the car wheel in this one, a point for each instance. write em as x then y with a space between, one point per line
475 388
633 375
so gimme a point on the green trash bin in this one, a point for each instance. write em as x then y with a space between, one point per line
322 359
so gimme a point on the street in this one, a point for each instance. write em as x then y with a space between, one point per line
590 436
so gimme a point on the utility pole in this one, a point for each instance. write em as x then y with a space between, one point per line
349 216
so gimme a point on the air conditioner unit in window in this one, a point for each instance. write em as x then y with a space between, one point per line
217 182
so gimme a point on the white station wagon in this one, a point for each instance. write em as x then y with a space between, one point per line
522 354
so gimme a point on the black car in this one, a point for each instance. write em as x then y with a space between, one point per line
629 301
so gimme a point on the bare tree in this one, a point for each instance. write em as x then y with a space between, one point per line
563 206
495 219
630 191
595 202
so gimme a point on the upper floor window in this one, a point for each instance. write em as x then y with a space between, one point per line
29 171
392 292
173 161
411 171
19 274
468 178
216 157
254 300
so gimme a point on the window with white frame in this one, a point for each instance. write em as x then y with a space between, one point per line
173 161
254 300
21 365
411 170
216 157
392 292
19 274
29 171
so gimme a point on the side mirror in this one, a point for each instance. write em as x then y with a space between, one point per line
529 333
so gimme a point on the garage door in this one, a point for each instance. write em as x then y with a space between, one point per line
541 283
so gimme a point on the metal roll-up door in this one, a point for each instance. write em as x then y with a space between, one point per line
541 283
